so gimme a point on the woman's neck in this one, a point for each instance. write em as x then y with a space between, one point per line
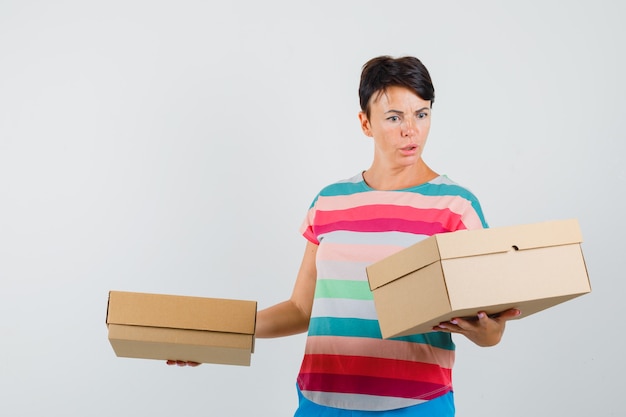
382 179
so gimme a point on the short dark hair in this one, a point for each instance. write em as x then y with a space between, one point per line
383 72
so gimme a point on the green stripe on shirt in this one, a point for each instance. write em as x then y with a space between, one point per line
335 288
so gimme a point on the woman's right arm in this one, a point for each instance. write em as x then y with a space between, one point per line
292 316
289 317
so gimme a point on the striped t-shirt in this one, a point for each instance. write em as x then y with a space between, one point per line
346 363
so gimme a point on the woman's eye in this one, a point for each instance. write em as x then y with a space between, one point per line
422 115
393 118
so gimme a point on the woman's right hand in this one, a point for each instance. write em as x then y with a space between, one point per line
182 363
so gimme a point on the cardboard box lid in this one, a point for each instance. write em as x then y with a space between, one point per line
464 243
181 312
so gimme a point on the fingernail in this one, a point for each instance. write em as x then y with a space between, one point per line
454 321
481 315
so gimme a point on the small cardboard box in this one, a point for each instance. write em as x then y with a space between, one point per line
529 267
197 329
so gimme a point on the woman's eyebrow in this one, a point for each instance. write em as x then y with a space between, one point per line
401 112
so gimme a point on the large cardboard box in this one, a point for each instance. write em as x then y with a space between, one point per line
197 329
530 267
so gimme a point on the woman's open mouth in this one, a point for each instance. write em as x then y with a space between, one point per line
409 149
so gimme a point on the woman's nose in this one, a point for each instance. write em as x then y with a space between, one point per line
408 127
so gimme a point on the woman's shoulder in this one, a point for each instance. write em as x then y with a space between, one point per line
348 185
445 182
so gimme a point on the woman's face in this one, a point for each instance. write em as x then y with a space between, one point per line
399 123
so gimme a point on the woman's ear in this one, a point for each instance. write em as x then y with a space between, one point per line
365 124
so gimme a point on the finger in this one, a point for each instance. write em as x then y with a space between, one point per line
459 325
483 318
182 363
445 326
452 326
509 314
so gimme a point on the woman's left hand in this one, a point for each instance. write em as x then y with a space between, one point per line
485 331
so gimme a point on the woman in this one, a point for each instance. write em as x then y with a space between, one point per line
348 369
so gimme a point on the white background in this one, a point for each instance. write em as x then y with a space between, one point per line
174 147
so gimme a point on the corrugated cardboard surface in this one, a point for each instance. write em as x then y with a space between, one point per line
198 329
529 267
